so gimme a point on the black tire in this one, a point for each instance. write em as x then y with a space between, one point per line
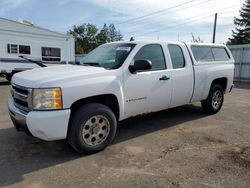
208 105
8 77
79 119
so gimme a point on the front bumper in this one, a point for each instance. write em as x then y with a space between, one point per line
46 125
18 117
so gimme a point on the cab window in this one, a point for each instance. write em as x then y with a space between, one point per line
154 53
176 56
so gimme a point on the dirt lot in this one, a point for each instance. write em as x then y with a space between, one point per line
180 147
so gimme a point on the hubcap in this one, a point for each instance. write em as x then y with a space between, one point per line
217 99
95 130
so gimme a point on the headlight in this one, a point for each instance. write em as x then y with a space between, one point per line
47 99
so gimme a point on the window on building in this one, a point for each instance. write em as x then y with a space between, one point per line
23 49
12 48
154 53
18 49
177 56
51 54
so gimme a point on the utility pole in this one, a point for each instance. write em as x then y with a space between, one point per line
215 24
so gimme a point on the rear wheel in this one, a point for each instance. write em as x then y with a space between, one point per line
214 101
92 128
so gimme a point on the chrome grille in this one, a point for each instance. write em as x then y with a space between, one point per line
22 97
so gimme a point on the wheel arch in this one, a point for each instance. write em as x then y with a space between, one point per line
220 81
110 100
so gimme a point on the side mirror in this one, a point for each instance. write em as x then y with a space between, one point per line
140 65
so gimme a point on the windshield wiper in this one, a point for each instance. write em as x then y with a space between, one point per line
94 64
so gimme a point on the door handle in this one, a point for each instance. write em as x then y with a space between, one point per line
164 77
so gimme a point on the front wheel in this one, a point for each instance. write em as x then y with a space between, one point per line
214 101
92 128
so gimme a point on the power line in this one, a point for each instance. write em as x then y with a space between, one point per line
199 15
228 12
180 23
156 12
164 13
194 18
199 3
183 23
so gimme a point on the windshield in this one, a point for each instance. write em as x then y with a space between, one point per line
110 56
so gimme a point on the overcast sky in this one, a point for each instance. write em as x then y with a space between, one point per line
163 21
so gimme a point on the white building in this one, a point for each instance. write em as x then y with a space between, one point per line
22 38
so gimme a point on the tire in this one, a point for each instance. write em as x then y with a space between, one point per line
8 77
92 128
214 101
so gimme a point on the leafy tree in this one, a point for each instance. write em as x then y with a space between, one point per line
113 34
241 35
88 36
85 37
102 36
119 36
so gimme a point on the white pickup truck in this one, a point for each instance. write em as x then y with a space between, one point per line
83 103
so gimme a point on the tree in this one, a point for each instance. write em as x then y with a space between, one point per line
113 34
102 37
119 36
87 36
241 35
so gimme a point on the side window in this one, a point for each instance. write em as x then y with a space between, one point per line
202 53
177 56
18 49
12 48
24 49
220 54
154 53
51 54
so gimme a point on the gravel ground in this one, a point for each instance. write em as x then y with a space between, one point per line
180 147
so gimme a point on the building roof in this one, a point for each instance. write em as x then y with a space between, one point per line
27 28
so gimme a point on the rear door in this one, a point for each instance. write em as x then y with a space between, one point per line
182 74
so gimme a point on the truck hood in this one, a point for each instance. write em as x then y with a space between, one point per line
49 76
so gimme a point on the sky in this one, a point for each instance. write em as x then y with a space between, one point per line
170 20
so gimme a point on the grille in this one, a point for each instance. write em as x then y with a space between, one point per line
22 97
23 91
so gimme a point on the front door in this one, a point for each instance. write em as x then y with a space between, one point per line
148 91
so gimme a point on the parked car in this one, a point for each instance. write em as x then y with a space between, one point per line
83 103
